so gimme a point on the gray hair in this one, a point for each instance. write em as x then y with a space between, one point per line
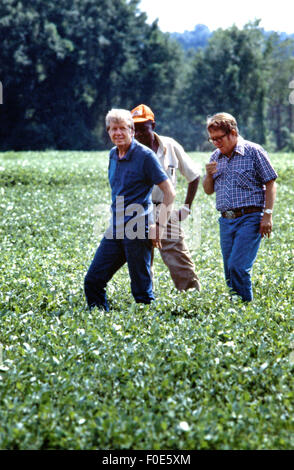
119 115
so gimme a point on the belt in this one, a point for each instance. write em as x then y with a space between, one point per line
156 203
234 213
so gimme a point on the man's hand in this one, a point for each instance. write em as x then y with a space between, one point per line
208 182
155 235
266 225
211 168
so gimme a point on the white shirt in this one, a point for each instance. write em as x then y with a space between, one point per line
173 157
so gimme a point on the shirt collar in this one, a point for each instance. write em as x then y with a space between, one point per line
240 148
128 155
162 147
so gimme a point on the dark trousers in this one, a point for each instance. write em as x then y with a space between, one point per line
112 255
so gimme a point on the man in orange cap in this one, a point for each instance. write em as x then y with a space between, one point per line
172 157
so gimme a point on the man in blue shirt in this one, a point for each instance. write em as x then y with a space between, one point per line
241 175
132 172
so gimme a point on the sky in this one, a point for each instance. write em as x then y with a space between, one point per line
184 15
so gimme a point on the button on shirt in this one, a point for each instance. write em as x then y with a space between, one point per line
240 179
131 179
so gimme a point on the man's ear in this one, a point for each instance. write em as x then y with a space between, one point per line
153 125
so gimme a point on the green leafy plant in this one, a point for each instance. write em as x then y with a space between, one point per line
191 371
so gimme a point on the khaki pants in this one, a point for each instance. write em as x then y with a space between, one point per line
176 256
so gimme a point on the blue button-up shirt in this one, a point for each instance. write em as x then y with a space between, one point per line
132 179
240 179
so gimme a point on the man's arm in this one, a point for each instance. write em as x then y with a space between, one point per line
191 191
190 196
156 230
266 223
188 169
208 181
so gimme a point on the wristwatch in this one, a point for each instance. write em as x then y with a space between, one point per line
268 211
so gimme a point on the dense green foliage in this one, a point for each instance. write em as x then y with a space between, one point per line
191 371
65 63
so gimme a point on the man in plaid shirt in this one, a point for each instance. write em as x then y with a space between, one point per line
241 175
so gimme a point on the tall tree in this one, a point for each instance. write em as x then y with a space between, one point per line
227 76
280 110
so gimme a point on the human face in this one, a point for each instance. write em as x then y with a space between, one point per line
144 132
121 135
225 142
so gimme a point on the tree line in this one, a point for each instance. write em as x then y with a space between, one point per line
65 63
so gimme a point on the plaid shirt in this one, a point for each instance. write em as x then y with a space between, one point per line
239 180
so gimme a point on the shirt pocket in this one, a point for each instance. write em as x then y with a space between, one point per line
171 172
245 177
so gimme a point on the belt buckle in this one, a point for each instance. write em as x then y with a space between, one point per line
230 214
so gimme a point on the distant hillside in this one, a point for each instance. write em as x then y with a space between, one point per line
193 39
201 34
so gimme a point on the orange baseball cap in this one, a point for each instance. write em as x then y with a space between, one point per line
142 113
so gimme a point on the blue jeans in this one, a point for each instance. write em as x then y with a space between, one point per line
112 255
240 240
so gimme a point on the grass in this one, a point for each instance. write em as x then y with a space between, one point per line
191 371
